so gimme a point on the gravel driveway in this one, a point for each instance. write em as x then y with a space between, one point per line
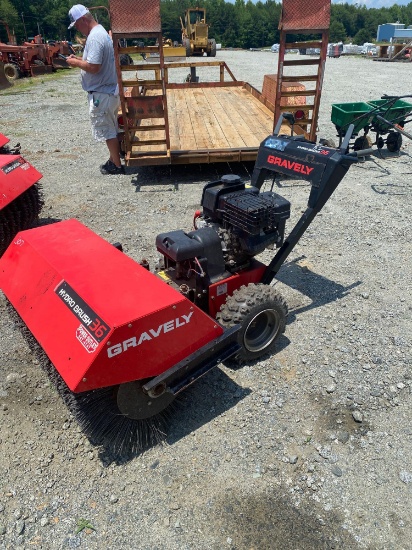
307 449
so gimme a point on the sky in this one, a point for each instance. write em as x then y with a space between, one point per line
374 3
367 3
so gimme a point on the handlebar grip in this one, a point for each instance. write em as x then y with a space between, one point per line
362 152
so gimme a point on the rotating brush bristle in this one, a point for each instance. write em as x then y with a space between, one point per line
100 419
97 412
22 213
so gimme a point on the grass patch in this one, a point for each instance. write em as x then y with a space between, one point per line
25 84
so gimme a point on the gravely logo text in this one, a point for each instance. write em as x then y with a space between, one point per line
290 165
148 335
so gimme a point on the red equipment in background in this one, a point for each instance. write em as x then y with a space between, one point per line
20 195
32 58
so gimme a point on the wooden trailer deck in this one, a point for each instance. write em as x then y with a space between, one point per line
211 121
208 124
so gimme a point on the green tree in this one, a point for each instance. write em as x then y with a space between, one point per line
8 13
363 36
242 24
337 32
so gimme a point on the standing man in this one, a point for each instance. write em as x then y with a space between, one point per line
99 80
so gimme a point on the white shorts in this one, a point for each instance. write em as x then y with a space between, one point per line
103 110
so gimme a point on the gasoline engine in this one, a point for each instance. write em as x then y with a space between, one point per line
236 224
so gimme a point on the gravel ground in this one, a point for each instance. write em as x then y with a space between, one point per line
307 449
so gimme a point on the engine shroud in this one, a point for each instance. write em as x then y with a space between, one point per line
245 209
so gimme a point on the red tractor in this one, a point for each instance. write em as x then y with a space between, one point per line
32 58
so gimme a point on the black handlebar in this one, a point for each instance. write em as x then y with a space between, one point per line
361 153
386 96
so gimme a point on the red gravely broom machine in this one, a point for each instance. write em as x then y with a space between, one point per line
20 194
124 341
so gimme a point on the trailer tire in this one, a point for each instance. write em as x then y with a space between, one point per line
362 142
212 51
186 44
262 312
394 142
125 59
11 71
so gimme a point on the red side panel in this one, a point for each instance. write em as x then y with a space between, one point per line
3 140
101 318
16 175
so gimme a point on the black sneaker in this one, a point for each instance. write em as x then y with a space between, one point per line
110 168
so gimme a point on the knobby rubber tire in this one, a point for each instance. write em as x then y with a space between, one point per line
394 142
262 312
212 52
11 71
186 44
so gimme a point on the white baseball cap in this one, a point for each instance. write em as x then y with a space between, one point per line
77 11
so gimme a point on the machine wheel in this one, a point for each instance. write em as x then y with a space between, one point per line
186 44
11 71
125 59
137 405
362 142
380 142
212 51
39 62
262 313
394 142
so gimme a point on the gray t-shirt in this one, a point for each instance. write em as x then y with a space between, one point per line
99 50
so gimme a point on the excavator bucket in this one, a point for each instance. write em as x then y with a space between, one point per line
37 70
60 62
4 81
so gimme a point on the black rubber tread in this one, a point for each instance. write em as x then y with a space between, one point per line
11 71
22 213
212 52
394 142
125 59
242 306
362 142
186 44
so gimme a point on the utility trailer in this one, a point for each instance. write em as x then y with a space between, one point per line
186 121
224 120
208 121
